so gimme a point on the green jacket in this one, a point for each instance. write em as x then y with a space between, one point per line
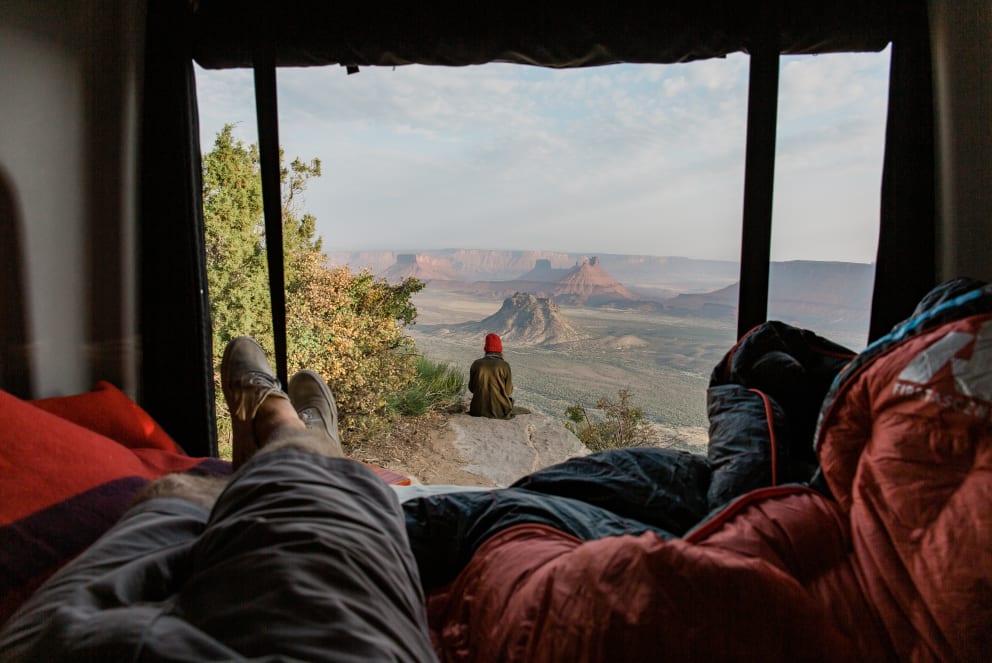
491 386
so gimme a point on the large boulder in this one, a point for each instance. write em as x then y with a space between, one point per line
503 450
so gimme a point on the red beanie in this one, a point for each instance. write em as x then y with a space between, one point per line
493 344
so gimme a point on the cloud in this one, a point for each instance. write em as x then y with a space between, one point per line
625 159
225 97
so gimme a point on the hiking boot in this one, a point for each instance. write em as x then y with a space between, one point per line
247 380
313 401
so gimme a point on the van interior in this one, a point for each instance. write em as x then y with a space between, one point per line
101 227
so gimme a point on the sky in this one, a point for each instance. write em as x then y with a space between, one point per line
628 159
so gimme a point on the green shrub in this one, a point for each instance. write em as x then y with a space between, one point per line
436 386
346 326
413 401
621 425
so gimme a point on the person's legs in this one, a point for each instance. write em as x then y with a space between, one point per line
198 489
263 415
304 554
102 605
315 405
307 556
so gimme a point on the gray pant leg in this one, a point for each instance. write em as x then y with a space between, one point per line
302 557
108 602
307 556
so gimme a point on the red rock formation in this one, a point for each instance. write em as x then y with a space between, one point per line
425 268
528 320
589 283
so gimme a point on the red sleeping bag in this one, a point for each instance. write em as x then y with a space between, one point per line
898 566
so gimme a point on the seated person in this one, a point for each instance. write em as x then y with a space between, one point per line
302 554
491 383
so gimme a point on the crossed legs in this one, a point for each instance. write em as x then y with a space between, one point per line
277 426
264 419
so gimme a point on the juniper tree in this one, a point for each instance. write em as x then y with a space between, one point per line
348 327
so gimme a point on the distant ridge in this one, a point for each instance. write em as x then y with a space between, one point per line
425 268
808 293
543 272
465 264
655 277
487 265
527 320
587 283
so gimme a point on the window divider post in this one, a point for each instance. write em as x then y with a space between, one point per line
266 108
759 183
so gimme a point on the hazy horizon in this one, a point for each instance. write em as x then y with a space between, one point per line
590 254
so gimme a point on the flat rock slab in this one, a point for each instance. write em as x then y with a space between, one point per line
503 450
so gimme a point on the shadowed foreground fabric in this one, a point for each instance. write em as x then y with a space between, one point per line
899 566
906 446
68 468
303 558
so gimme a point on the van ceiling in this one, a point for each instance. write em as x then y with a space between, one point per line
311 33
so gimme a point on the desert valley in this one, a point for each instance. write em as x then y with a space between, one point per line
579 328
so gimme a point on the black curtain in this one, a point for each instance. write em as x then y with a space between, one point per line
15 366
905 267
176 357
317 32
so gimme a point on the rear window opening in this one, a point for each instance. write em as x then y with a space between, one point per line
828 166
